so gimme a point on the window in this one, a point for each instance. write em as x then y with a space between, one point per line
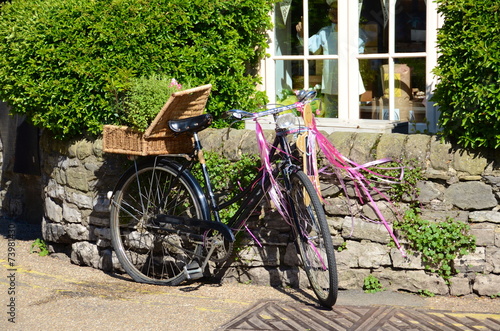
369 60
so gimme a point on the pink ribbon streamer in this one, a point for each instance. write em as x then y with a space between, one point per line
340 162
275 192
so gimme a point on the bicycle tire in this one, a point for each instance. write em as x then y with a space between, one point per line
313 239
147 253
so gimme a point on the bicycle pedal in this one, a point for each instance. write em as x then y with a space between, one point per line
193 271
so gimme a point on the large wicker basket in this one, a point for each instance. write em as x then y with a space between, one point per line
158 138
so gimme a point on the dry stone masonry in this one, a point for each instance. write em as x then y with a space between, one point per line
459 184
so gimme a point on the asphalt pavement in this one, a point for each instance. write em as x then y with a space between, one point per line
51 293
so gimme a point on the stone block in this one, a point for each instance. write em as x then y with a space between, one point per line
77 179
413 260
54 232
363 255
77 232
339 206
429 191
473 262
479 196
497 236
343 141
291 258
361 230
364 143
99 221
387 209
350 279
232 142
249 144
97 148
485 216
417 148
102 233
391 146
440 155
101 204
484 233
469 163
411 281
54 190
71 214
85 253
460 286
80 200
84 149
443 215
329 188
487 285
103 243
53 211
493 258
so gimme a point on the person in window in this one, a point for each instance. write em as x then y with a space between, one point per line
326 38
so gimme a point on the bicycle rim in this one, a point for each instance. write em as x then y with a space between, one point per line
150 253
314 240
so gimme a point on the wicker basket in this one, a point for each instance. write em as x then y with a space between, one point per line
158 138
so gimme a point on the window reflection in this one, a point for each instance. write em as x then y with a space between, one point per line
409 89
373 76
410 22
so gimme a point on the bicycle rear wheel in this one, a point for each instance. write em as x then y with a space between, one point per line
152 251
313 239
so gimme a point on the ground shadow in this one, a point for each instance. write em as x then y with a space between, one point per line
22 230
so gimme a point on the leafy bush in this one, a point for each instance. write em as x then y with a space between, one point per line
67 64
468 93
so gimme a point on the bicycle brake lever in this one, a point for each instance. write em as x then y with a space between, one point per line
238 114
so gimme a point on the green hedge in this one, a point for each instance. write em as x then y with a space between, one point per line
468 92
67 63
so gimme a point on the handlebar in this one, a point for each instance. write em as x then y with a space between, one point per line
303 97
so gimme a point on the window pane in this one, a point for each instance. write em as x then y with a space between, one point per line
373 103
290 77
374 26
417 87
325 80
323 27
286 75
410 25
287 15
409 89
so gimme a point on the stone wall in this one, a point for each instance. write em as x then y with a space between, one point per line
459 184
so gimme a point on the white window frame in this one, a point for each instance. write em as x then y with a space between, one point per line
348 120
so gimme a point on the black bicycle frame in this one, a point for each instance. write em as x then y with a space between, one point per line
253 194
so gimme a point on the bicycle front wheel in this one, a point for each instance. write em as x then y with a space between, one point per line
149 250
313 239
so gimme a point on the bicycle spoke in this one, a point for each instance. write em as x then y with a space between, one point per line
147 251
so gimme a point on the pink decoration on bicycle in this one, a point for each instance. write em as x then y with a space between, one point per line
340 162
274 190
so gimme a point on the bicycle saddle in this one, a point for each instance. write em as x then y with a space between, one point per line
191 124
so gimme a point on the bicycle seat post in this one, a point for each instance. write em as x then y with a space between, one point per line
198 150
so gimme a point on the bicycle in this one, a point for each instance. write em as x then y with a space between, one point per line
165 228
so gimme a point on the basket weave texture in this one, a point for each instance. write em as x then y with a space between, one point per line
158 139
